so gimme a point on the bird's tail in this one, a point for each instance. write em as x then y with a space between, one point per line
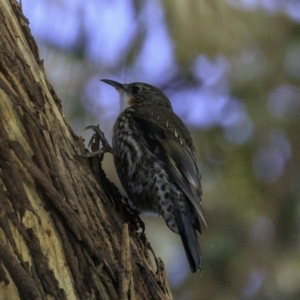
187 232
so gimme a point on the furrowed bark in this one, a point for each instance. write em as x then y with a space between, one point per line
62 235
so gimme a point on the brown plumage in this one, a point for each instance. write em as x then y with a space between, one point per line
156 162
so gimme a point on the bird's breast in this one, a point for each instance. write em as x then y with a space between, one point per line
126 143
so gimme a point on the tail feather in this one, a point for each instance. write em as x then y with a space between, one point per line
187 232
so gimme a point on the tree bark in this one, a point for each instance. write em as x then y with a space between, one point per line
61 236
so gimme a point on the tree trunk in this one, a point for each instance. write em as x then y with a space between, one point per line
61 236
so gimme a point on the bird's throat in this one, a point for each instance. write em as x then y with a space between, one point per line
125 101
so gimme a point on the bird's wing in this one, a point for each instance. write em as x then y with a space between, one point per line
168 139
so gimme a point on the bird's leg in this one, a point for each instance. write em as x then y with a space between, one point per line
94 142
96 138
132 214
96 156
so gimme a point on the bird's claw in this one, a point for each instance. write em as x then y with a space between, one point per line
101 137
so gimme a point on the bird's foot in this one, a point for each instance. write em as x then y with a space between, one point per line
133 215
94 144
96 156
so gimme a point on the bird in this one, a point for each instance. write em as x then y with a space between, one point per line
155 160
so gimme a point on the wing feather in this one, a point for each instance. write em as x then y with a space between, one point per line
179 160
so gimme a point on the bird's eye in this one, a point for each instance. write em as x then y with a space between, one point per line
136 89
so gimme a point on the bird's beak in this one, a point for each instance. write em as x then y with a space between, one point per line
125 98
119 86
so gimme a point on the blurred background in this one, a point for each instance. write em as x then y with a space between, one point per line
232 71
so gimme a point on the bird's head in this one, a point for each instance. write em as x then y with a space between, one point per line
138 93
